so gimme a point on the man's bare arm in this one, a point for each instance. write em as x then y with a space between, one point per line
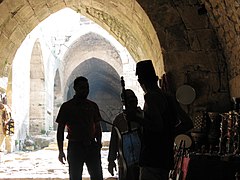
60 139
98 133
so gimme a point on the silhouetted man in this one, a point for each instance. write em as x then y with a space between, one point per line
120 122
157 143
82 119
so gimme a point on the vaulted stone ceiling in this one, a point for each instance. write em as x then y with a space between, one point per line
170 32
125 20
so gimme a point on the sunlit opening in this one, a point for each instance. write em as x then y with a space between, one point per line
60 48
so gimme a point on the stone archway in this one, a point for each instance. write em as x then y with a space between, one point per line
185 35
60 68
92 45
88 46
125 20
182 42
104 84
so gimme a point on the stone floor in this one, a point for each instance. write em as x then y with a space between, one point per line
41 165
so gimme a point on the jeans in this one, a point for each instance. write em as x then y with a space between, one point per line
78 154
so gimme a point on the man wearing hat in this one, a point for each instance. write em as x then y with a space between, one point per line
157 156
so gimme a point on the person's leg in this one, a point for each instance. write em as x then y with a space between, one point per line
93 162
120 173
133 172
75 157
148 173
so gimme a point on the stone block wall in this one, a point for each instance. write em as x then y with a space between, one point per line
224 16
190 45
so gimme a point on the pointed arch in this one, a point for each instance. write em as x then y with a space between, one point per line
104 84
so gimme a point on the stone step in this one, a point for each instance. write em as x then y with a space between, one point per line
51 141
53 145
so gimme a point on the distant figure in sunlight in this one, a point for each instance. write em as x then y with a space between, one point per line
82 119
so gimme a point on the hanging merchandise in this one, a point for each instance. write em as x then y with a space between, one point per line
9 127
186 94
8 122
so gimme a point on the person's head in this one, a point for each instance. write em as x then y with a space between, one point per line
81 87
146 75
131 98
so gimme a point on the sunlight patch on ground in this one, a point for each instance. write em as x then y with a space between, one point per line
43 164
